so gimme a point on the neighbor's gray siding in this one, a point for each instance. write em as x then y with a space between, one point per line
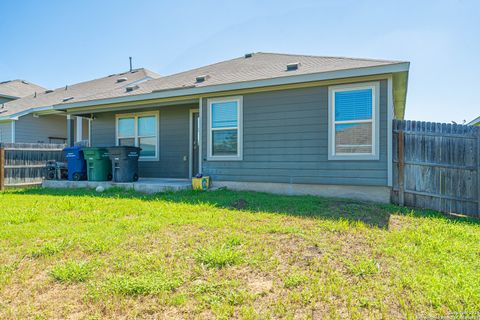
6 131
29 129
285 140
173 140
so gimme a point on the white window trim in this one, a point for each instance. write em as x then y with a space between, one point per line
375 155
239 155
136 137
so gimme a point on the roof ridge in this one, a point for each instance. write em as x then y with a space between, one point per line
15 80
100 78
331 57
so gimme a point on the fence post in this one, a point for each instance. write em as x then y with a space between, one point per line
401 168
2 168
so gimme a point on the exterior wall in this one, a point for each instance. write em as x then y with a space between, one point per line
173 140
285 140
30 129
6 131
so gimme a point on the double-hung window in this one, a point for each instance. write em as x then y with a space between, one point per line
224 129
353 122
140 130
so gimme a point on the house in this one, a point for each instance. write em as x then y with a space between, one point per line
282 123
16 89
20 122
12 90
474 122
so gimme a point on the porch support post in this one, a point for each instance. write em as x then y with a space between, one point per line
79 124
70 131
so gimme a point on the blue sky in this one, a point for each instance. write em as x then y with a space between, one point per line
54 43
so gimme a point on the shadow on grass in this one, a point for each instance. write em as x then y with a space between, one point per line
371 214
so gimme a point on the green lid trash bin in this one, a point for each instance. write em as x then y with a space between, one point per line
99 166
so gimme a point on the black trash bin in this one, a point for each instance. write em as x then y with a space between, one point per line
124 163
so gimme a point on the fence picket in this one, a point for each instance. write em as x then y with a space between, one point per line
441 166
24 163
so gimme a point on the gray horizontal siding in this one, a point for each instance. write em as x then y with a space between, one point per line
30 129
173 140
285 140
6 131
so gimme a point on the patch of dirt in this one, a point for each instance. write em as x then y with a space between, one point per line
260 286
239 204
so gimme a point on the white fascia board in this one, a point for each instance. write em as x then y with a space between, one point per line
17 115
348 73
474 121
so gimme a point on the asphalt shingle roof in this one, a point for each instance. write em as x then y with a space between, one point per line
76 92
18 88
259 66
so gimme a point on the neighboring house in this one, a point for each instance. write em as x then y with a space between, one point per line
474 122
16 89
20 122
267 122
12 90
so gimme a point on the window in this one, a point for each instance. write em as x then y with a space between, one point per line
353 127
140 130
225 129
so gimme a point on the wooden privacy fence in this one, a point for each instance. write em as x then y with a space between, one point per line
437 166
23 164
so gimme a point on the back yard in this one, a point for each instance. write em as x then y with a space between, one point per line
80 254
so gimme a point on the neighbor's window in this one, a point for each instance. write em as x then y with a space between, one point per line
353 127
140 130
225 134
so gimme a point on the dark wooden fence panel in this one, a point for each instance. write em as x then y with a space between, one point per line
437 166
24 163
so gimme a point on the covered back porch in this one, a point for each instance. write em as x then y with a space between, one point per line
168 133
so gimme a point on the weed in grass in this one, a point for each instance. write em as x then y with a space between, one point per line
294 280
177 300
363 267
72 272
6 270
219 256
96 246
214 293
146 284
49 249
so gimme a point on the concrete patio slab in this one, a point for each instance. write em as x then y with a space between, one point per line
145 185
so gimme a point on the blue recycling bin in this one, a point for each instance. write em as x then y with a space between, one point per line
77 168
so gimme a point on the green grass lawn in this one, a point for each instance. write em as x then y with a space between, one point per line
222 254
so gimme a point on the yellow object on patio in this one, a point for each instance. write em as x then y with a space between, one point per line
202 183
